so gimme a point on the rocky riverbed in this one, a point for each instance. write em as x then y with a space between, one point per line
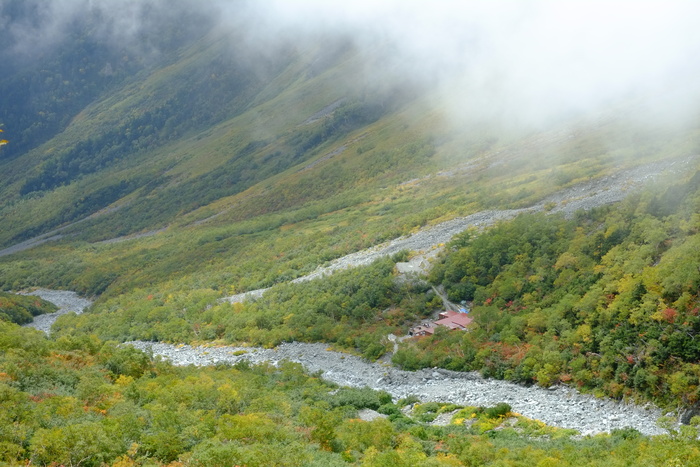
585 195
66 302
558 406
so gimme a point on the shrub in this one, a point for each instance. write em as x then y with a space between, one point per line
408 401
499 410
360 398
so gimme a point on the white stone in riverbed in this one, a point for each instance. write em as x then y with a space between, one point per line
563 407
65 300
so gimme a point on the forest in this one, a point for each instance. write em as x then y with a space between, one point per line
606 301
20 309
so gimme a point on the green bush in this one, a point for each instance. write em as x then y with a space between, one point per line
499 410
360 398
389 409
408 401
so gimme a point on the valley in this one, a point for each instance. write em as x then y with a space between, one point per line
561 406
225 218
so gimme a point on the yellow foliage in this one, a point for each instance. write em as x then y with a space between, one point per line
566 260
584 333
124 461
549 462
128 459
534 278
124 380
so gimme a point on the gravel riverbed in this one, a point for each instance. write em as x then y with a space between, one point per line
559 406
66 302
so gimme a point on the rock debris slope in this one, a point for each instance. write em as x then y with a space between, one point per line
586 195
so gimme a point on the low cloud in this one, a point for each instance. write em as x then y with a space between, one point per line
527 62
31 28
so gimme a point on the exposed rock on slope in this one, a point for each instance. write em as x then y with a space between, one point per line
587 195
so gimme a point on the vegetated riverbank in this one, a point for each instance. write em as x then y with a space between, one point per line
560 406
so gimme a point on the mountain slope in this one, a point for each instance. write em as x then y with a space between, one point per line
166 155
197 164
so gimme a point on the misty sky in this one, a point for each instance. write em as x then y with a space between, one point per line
520 60
529 60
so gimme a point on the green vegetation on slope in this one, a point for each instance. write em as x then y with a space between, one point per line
83 401
607 301
21 309
42 96
223 152
284 226
355 309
